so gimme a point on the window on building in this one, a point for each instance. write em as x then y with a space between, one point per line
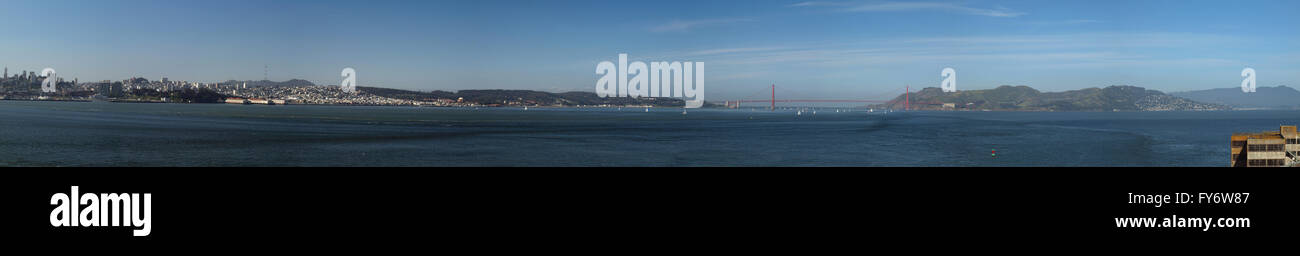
1265 147
1255 162
1267 162
1238 144
1275 162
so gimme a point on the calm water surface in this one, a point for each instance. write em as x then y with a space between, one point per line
121 134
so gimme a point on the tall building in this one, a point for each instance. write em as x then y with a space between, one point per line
1266 149
1292 142
6 72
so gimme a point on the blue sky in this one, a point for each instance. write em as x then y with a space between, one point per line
817 49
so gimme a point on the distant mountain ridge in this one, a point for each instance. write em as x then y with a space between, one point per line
487 97
1025 98
1281 97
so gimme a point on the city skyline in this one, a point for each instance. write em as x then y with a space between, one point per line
821 48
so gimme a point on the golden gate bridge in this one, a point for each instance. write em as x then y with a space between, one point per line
907 99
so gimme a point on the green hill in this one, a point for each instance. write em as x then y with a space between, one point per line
1279 97
488 97
1025 98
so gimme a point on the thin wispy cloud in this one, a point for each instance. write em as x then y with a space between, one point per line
1065 22
1081 21
820 3
732 50
686 25
897 60
1094 49
914 6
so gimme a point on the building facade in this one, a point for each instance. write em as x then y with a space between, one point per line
1266 149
